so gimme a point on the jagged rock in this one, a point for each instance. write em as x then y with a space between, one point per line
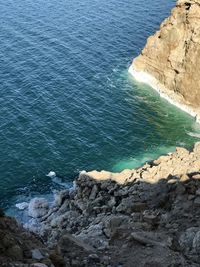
60 197
113 223
186 239
196 242
128 205
93 192
38 207
184 178
103 213
37 254
94 236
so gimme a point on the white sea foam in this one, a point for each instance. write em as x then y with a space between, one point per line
197 135
22 205
51 174
170 96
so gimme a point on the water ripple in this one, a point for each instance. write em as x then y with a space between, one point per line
67 101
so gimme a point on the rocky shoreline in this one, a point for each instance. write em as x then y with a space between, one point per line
149 217
146 217
169 62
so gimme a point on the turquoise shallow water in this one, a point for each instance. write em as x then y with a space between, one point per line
67 102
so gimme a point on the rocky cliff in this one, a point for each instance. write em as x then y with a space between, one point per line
170 61
147 217
19 247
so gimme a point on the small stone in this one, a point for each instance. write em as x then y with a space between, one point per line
37 255
184 178
172 181
196 177
150 218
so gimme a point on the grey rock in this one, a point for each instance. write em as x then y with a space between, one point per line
38 207
37 255
196 243
128 205
197 201
60 197
93 192
186 239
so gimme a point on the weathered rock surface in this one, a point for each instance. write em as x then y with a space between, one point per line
18 247
38 207
172 57
149 216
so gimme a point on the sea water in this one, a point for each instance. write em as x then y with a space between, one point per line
67 102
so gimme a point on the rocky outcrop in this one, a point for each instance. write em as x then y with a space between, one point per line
18 247
170 61
149 216
174 164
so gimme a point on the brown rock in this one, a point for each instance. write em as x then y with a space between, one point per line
184 178
196 177
172 56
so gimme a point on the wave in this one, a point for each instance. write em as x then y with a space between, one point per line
197 135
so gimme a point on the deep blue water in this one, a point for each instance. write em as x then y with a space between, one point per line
67 102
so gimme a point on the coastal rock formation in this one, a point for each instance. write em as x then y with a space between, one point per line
170 61
149 216
19 247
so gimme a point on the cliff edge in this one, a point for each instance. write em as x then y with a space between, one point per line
170 61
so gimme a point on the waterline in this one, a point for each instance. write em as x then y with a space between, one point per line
169 95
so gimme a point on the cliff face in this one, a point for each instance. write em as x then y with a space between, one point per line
147 217
172 57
